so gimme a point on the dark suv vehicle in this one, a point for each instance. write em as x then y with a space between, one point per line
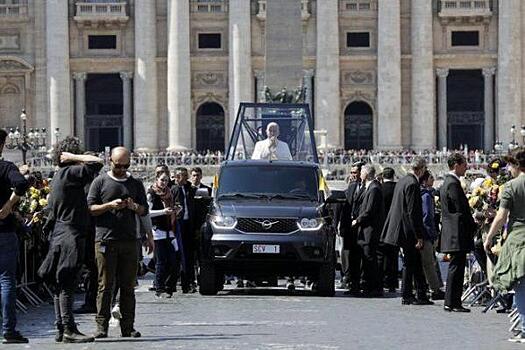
268 219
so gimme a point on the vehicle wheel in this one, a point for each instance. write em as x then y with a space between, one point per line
326 285
208 280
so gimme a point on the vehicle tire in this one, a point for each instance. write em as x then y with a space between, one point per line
208 280
326 285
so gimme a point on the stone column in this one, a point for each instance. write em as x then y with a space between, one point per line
80 105
423 119
327 86
509 66
389 75
259 97
240 57
488 77
145 83
58 74
442 74
179 76
308 75
127 121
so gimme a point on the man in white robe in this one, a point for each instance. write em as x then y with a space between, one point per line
272 148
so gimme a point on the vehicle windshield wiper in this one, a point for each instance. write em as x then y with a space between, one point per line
242 195
291 196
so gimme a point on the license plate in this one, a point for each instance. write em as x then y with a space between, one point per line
266 249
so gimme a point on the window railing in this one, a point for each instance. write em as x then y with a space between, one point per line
464 8
209 6
356 6
92 9
11 10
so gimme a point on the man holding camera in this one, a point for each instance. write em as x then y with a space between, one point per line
114 199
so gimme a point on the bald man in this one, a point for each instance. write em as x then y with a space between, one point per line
272 148
115 199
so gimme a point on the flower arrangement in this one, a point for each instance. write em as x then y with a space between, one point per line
32 204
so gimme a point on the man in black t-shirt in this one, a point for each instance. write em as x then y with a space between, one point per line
67 241
10 178
115 199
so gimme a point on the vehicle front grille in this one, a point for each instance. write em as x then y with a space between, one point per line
267 225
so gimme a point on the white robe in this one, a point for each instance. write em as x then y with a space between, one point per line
263 150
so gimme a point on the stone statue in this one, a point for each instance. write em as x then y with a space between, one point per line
283 96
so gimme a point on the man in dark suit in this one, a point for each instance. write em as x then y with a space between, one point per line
388 255
404 228
343 216
369 224
183 194
457 230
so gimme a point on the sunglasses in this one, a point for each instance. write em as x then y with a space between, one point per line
120 166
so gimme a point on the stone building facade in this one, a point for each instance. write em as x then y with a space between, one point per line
169 74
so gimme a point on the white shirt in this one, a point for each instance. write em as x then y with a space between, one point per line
454 174
264 150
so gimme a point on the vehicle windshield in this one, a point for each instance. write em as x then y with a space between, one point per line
256 181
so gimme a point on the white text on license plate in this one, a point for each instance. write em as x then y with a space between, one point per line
266 249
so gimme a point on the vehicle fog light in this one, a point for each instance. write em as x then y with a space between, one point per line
217 251
317 252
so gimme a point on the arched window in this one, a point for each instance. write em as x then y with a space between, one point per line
210 127
359 126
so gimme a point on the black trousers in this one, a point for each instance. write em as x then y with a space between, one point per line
456 274
63 299
369 264
91 277
351 262
413 273
188 254
388 265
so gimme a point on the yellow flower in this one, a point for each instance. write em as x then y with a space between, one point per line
33 206
42 202
488 183
473 201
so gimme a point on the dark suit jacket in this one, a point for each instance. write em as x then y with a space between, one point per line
404 223
371 215
388 194
178 196
343 215
458 226
201 207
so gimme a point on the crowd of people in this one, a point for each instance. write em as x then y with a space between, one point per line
99 223
380 217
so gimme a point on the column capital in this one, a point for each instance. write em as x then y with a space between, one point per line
442 72
79 76
308 73
259 74
126 75
488 71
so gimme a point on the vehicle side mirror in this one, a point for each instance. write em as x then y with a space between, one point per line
336 197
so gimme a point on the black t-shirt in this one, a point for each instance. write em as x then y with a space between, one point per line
68 196
114 224
10 180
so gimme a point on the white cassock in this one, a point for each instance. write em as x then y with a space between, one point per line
266 149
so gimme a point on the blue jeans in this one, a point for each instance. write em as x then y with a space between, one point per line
167 265
519 300
8 263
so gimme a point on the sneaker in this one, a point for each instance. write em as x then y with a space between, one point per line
240 284
250 284
132 334
518 338
115 312
14 338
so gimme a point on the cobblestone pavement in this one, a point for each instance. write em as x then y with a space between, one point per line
271 319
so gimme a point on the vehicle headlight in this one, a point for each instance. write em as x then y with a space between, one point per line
223 222
306 224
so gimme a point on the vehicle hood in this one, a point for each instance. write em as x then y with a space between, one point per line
268 209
